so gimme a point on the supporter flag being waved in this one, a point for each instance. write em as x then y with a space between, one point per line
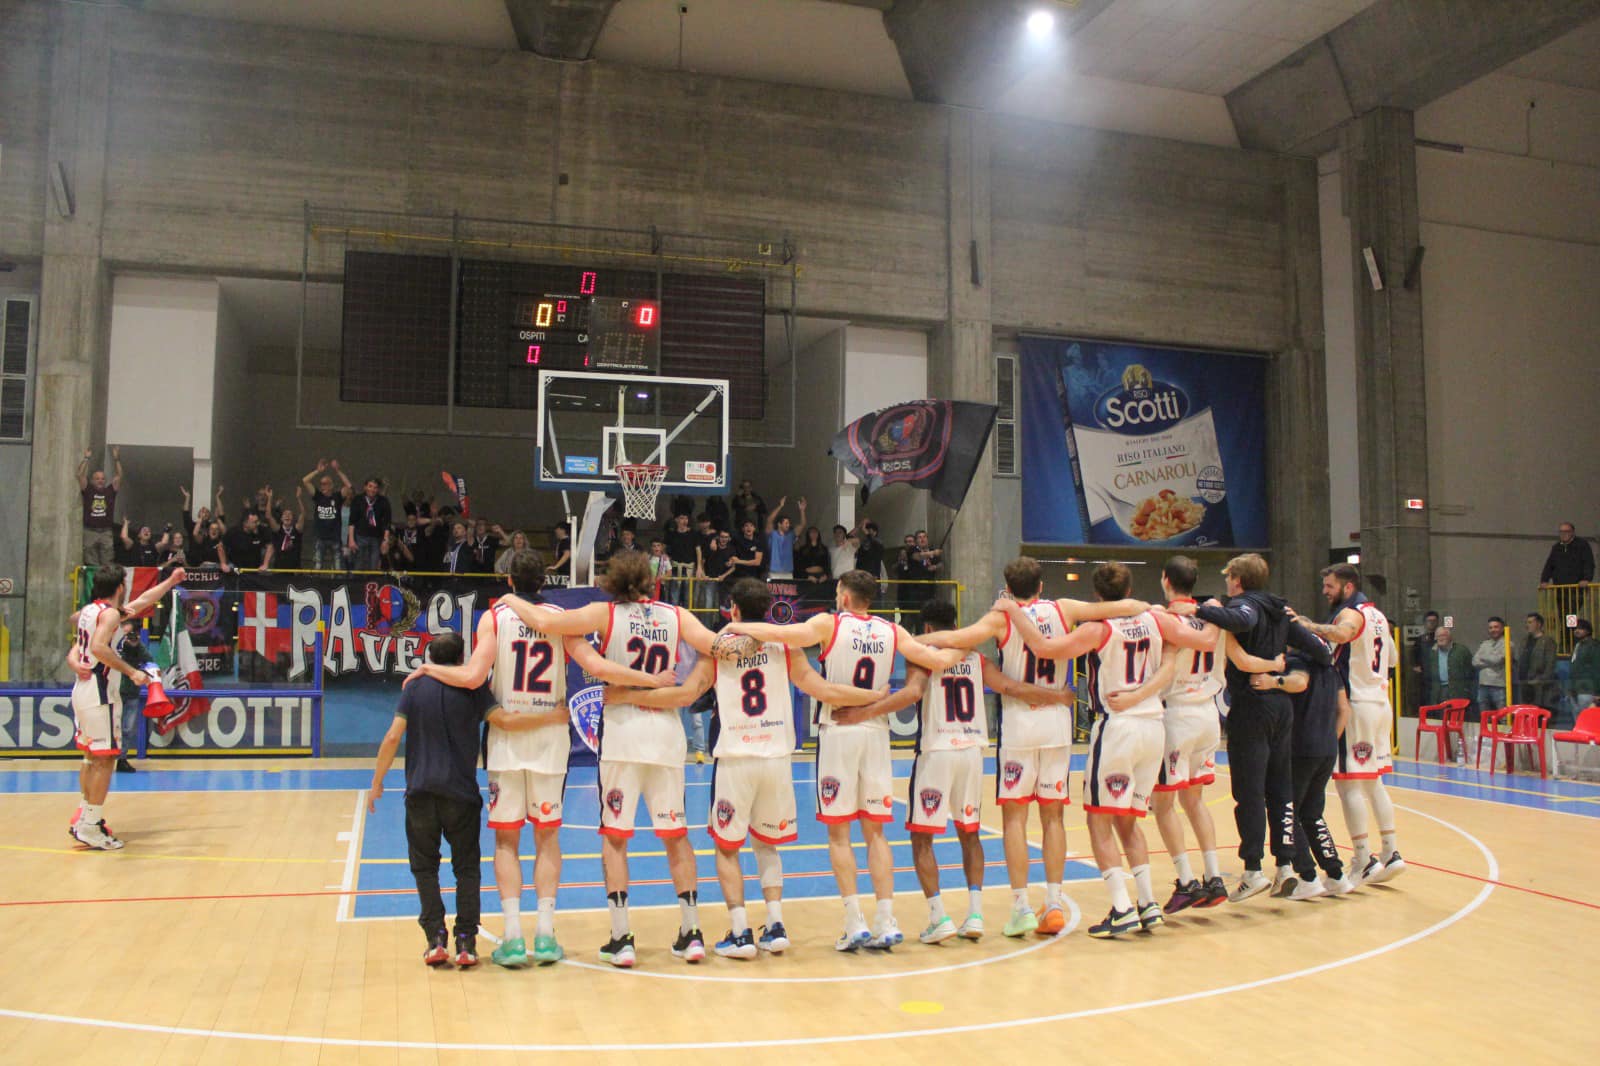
458 485
927 444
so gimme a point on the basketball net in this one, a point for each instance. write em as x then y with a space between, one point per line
641 482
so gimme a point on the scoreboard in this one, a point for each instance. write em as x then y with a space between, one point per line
581 331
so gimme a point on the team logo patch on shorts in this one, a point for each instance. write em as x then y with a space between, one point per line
494 793
1013 774
614 802
930 798
1117 784
828 787
724 813
1172 763
1363 751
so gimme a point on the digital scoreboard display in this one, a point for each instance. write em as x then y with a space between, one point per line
581 331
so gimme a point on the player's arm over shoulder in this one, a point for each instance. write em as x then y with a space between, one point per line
1077 612
814 630
1179 633
1033 695
992 626
813 684
928 658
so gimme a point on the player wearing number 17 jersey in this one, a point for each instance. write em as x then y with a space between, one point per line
527 748
855 776
642 749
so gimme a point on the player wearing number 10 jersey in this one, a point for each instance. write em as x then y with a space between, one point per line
527 756
641 749
855 776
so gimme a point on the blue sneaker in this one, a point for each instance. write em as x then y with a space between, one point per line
774 938
737 945
887 937
852 941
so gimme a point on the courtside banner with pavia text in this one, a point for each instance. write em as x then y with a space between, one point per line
1124 444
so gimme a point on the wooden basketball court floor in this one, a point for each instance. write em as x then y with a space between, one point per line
259 915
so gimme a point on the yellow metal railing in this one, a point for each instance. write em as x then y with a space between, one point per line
1560 603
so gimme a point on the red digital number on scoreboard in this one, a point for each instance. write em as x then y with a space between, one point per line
586 287
534 354
645 317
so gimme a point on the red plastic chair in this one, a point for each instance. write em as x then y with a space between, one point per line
1585 731
1527 730
1488 723
1452 720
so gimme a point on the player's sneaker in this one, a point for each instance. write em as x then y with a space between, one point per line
972 928
1364 876
438 953
95 837
690 945
1343 886
774 938
512 954
1115 924
117 843
1251 883
1052 920
737 945
1393 867
1306 888
467 951
1216 893
852 941
546 950
938 932
1282 887
619 952
1021 923
888 936
1185 894
1150 916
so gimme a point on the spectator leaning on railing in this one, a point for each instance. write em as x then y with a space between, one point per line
1490 659
1571 560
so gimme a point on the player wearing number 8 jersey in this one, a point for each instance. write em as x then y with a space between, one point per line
641 748
1035 742
527 748
752 787
854 772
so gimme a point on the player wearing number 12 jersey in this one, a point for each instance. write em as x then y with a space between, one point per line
1034 742
855 776
642 749
527 755
752 788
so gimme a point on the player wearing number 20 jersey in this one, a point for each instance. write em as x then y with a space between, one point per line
642 751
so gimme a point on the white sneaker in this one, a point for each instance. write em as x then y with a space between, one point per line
972 928
95 836
1342 887
1392 867
1251 883
938 932
1307 888
886 936
1365 874
852 940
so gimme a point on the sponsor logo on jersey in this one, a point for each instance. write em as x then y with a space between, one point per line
1117 784
545 808
930 798
969 810
1013 774
1363 751
724 813
614 802
829 789
888 802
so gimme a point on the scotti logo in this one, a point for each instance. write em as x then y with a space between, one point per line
1142 404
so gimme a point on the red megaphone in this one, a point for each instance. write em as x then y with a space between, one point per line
156 703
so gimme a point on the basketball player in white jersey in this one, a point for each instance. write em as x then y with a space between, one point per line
1035 742
96 657
527 756
855 775
1365 655
1193 733
642 750
947 774
1135 660
752 786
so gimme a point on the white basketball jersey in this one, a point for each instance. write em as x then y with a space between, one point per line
1371 656
1022 725
1201 674
108 689
530 676
1130 655
953 716
755 708
642 636
861 654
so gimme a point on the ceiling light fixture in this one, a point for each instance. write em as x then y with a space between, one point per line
1040 23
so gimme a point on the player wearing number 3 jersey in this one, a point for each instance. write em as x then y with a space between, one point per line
641 748
527 756
752 787
1035 742
854 772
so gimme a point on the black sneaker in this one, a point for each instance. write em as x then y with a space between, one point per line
126 767
466 950
619 952
438 953
690 945
1215 893
1115 924
1150 917
1186 894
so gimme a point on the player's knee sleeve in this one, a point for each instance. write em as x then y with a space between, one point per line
769 864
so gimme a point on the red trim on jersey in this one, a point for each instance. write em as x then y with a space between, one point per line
723 842
611 621
506 825
614 831
868 816
1182 599
672 834
1196 782
1065 629
1175 786
775 840
1120 812
1364 775
894 632
788 667
87 750
835 819
968 827
831 639
554 823
1107 638
1363 616
1014 799
1065 801
1007 638
913 827
494 619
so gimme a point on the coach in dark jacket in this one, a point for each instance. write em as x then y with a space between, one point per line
1320 710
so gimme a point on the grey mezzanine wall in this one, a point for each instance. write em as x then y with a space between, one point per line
215 134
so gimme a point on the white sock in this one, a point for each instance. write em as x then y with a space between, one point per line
736 915
1213 867
1052 895
1019 900
853 922
936 909
688 911
1118 888
512 909
1180 863
974 899
774 912
617 906
547 916
1387 843
885 911
92 813
1141 883
1358 860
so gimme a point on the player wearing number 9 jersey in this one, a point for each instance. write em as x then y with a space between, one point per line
854 772
641 749
1035 743
527 747
752 788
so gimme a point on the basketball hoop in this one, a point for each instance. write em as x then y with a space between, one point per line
641 482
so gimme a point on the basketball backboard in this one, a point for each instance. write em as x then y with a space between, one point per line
589 422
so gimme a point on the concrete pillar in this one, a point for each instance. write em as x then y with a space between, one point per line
961 358
69 401
1378 161
1297 408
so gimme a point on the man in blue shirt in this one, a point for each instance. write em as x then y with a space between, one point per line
780 540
